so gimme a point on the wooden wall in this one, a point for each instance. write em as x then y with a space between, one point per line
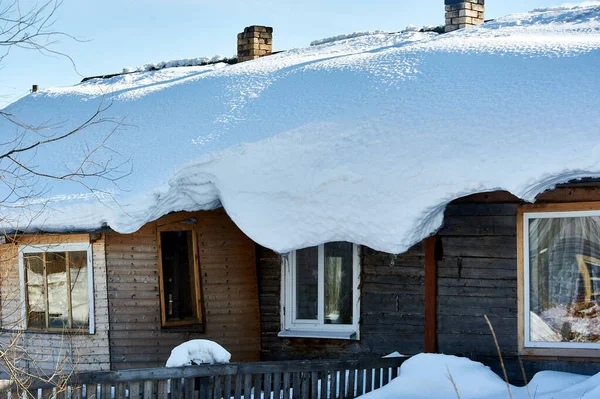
229 288
52 351
392 307
477 276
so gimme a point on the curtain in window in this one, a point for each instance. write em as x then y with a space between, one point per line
564 259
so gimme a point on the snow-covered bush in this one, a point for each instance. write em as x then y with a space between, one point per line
198 351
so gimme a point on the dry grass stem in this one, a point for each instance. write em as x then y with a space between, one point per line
453 383
499 356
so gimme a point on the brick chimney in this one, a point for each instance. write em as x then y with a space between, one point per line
254 42
463 13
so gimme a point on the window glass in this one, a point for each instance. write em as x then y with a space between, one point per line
79 288
36 293
338 279
307 283
58 301
178 275
57 290
564 289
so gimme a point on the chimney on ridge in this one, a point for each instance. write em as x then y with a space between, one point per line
463 13
254 42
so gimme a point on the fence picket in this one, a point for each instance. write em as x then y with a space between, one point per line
248 386
342 391
91 391
394 372
189 389
238 386
286 385
175 388
161 390
305 385
277 386
351 378
227 387
218 394
377 379
296 387
314 385
148 390
257 385
324 378
386 377
369 380
333 385
360 383
267 387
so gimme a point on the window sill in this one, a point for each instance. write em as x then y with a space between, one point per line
345 335
559 353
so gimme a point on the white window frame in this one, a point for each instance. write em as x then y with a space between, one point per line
527 216
292 327
65 247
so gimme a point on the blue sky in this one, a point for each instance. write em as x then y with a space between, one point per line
127 33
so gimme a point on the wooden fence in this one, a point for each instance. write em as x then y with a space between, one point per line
319 379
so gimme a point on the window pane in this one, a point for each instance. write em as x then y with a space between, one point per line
178 277
564 259
58 301
338 283
307 283
34 269
79 289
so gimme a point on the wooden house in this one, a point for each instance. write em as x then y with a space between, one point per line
96 299
264 306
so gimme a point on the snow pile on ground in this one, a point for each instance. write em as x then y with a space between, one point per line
198 351
427 376
347 36
363 140
185 62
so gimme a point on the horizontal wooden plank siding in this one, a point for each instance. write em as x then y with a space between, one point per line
55 351
229 290
478 276
392 309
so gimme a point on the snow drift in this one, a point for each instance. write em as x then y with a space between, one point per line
198 351
427 376
364 140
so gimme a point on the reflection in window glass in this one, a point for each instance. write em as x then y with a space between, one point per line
79 288
307 283
564 291
58 301
36 294
57 290
338 283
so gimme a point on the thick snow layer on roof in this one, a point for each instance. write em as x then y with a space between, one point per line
427 376
364 140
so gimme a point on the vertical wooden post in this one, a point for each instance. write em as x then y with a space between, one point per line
430 295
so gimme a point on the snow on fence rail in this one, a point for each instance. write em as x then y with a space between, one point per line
314 379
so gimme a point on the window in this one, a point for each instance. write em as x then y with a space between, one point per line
561 279
57 287
180 293
320 294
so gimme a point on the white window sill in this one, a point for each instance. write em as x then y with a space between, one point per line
347 335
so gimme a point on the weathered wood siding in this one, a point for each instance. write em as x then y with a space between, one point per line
392 308
477 276
229 290
55 351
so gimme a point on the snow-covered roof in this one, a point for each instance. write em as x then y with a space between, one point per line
364 139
